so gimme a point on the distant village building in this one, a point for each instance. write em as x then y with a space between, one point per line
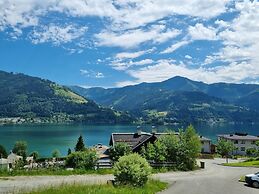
103 155
4 164
13 158
139 139
102 151
205 145
242 142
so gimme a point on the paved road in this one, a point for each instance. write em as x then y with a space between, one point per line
214 179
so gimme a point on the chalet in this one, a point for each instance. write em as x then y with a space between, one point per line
242 142
13 158
139 139
135 140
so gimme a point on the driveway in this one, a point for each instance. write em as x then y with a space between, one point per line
214 179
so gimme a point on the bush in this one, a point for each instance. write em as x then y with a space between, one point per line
118 150
20 148
154 152
82 160
182 150
3 152
251 152
35 155
55 153
132 170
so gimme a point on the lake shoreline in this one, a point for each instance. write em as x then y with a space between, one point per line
45 138
5 121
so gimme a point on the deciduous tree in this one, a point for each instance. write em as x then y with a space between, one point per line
225 148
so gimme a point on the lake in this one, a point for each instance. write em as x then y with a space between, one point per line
46 138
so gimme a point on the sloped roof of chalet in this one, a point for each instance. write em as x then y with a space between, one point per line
202 138
134 139
239 137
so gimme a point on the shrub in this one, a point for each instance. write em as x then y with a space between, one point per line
154 152
251 152
35 155
182 150
3 152
55 153
20 148
82 160
132 170
118 150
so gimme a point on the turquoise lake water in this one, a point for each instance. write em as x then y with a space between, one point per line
46 138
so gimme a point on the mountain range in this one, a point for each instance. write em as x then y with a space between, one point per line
32 99
181 100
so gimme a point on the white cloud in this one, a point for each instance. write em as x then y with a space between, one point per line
197 32
118 15
200 32
91 73
135 13
165 69
125 83
188 57
175 46
57 34
132 55
99 75
122 66
241 41
143 62
84 72
133 38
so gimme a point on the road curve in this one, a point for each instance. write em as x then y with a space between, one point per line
214 179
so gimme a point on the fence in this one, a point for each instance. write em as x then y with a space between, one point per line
161 164
104 164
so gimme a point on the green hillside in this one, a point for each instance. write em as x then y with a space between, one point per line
181 100
33 99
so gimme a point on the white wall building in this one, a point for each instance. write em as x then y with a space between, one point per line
4 164
12 158
241 141
205 145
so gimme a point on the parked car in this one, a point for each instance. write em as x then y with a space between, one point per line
252 179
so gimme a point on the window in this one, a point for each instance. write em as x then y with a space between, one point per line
243 149
236 142
253 142
243 142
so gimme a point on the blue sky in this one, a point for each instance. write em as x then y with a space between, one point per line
122 42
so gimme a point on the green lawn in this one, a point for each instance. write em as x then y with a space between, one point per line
53 171
244 164
152 187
